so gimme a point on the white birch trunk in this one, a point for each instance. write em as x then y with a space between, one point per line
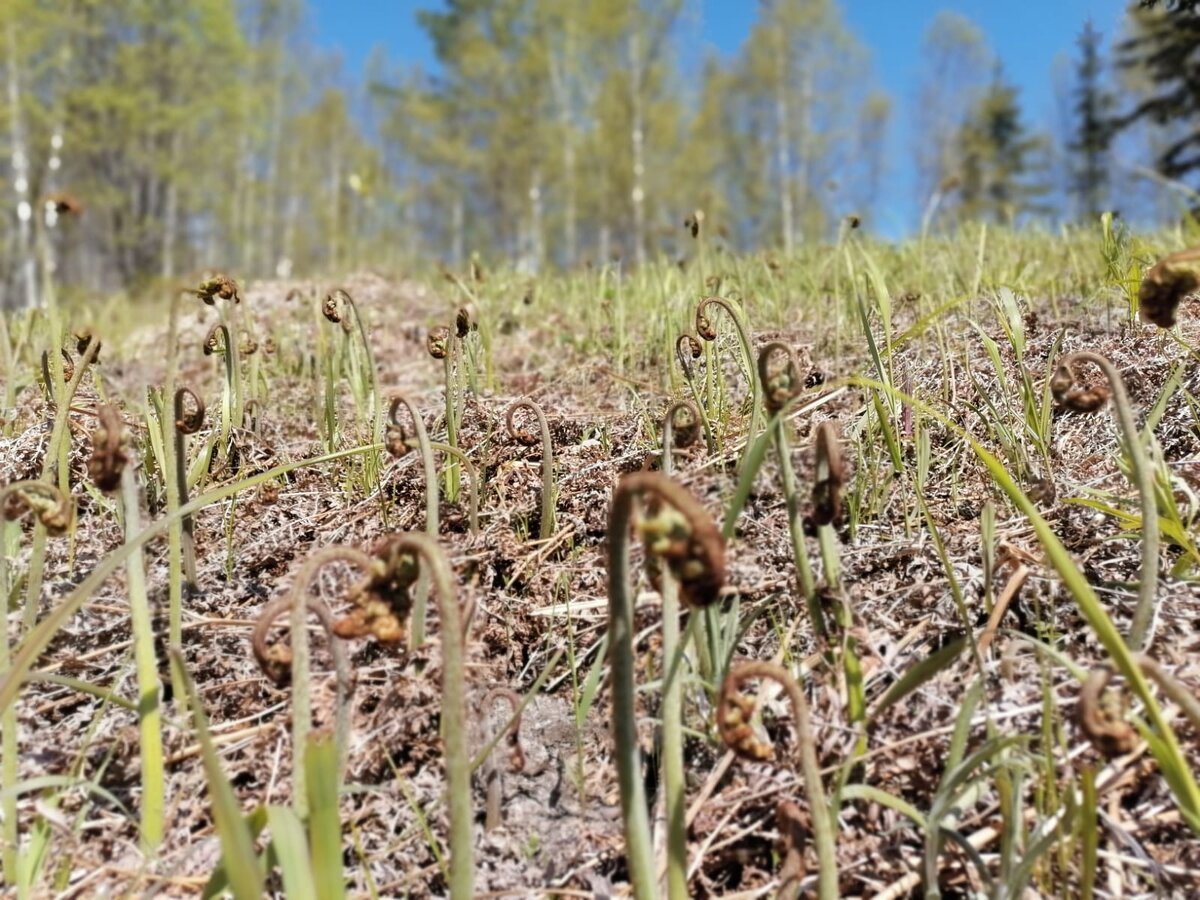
566 122
783 153
806 148
638 142
335 207
537 239
25 262
170 232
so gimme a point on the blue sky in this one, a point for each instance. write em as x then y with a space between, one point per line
1026 35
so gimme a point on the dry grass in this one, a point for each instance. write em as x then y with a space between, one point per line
532 599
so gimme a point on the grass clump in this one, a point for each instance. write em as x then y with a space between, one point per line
924 537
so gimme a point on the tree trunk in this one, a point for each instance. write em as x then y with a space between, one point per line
537 240
807 151
638 141
170 231
783 153
335 210
25 263
457 237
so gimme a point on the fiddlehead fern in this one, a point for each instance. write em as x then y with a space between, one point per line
830 484
1166 284
779 386
443 345
1064 385
381 604
687 351
334 309
733 723
530 439
1101 715
108 458
706 330
283 664
187 422
219 285
54 511
218 341
677 532
681 428
785 385
398 443
50 506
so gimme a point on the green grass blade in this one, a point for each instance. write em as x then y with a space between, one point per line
324 821
938 661
237 844
291 853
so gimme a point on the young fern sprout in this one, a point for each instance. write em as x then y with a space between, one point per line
734 713
68 372
381 606
218 341
54 511
1066 389
107 462
681 428
784 385
677 532
443 345
251 417
529 439
275 659
706 330
466 324
1166 284
51 507
1100 714
687 350
55 466
829 486
399 443
473 473
493 815
186 422
779 386
334 309
285 665
219 285
674 778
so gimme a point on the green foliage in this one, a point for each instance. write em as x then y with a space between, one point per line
1092 134
1163 46
998 169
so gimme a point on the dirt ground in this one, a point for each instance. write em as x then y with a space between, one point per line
561 830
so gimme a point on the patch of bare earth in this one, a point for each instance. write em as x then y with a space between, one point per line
559 822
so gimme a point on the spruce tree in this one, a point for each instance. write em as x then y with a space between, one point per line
1165 48
998 159
1090 147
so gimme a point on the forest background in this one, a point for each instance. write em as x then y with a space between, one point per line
148 139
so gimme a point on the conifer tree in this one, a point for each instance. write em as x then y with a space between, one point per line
1166 46
1090 147
999 177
